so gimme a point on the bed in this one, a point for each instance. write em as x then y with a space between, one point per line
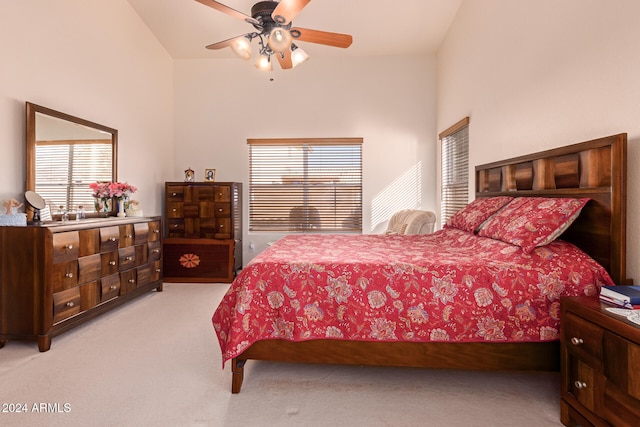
383 300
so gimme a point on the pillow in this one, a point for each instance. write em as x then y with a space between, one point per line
530 222
475 213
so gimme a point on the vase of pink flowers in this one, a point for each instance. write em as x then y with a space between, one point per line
105 192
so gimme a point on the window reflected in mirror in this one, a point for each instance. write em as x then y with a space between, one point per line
65 154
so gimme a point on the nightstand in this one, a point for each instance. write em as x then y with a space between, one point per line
600 365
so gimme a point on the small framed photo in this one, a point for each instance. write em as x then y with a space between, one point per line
210 175
189 175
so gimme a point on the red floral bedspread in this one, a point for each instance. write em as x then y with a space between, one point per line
445 286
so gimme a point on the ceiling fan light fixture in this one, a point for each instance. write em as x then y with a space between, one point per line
298 55
264 62
242 47
279 39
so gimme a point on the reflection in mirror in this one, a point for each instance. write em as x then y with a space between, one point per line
65 154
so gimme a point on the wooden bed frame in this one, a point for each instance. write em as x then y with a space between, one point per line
594 169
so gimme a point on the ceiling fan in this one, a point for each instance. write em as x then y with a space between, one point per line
275 35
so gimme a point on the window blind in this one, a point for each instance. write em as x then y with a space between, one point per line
66 168
307 185
455 169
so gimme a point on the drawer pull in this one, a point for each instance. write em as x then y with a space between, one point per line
580 385
113 287
175 226
70 304
158 270
222 226
113 239
128 236
112 263
174 209
576 341
68 247
156 231
69 275
156 251
129 258
132 280
219 209
173 194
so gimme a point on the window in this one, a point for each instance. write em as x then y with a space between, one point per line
455 169
309 185
66 168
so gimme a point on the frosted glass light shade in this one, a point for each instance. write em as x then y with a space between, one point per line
242 47
298 56
279 40
264 63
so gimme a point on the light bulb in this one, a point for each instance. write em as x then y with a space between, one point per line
298 56
263 62
279 40
242 47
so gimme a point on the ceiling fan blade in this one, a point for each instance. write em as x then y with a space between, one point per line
229 11
287 10
285 60
224 43
321 37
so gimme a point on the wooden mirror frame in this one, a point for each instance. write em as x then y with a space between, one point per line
31 111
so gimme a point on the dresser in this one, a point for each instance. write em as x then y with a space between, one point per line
57 276
600 365
203 231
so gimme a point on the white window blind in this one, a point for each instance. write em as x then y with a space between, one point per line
309 185
455 169
65 170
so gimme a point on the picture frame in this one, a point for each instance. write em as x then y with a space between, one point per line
189 175
209 175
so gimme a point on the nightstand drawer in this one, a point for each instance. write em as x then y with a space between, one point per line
584 339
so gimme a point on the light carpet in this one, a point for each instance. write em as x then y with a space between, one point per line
156 362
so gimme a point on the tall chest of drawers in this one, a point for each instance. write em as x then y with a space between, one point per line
203 231
58 276
600 365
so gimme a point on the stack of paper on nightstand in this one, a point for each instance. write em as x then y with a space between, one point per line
622 296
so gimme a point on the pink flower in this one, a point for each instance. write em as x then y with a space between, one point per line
108 190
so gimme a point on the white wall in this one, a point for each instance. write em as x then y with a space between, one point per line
389 101
537 74
93 59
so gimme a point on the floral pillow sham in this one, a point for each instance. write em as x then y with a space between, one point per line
471 217
530 222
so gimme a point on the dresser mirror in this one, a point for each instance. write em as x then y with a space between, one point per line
64 155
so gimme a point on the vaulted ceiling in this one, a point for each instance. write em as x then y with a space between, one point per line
378 27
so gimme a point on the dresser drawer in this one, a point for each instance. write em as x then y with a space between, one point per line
127 281
174 210
110 286
222 193
89 268
109 238
223 209
223 228
175 226
126 235
141 232
126 258
583 339
154 231
175 193
155 250
65 275
66 246
66 304
109 261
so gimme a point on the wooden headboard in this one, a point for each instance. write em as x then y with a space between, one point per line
596 169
